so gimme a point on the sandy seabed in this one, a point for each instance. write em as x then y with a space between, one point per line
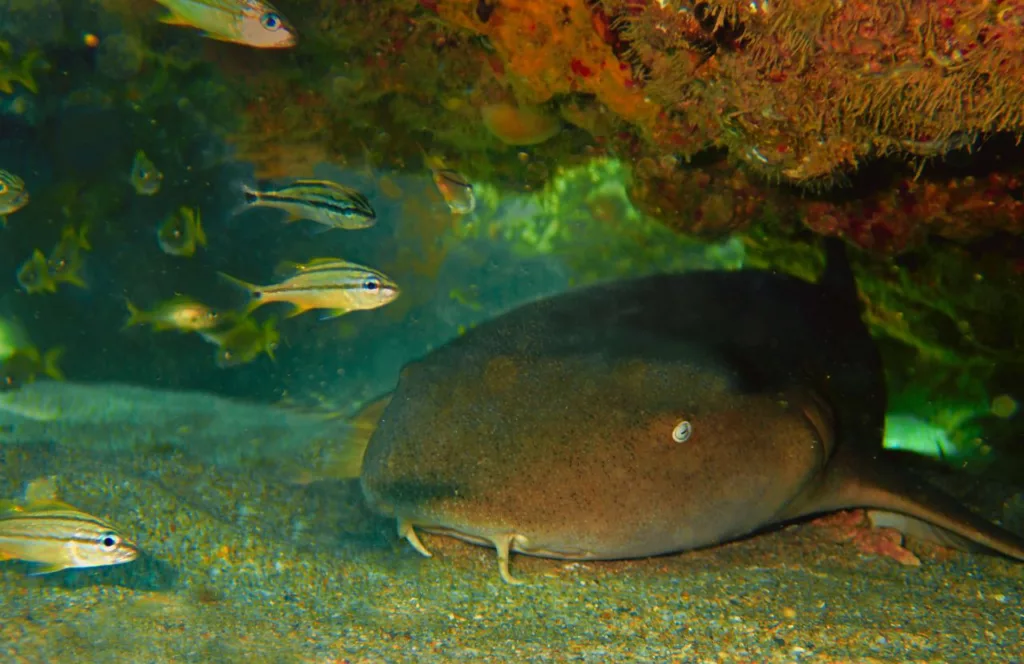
242 566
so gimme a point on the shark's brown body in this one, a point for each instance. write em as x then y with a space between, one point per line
555 430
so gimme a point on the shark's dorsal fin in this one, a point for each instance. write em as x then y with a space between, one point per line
838 277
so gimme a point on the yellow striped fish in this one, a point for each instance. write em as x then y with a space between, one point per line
249 22
325 202
325 283
13 195
56 535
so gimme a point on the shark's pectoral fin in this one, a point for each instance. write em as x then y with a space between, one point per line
502 543
407 532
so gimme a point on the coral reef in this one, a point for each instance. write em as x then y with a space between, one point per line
801 90
722 100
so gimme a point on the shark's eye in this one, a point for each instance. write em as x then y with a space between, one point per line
271 21
682 432
109 541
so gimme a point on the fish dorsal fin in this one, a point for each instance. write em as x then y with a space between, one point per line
51 506
41 491
174 19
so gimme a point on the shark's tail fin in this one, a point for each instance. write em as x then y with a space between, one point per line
906 503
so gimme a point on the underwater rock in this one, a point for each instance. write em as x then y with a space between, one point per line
120 56
27 23
519 125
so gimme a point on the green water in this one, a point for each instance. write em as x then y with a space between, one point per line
251 549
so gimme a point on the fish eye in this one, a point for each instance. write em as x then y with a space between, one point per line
3 187
109 541
371 284
682 432
271 21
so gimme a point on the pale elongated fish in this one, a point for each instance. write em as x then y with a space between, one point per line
248 22
58 536
331 284
329 203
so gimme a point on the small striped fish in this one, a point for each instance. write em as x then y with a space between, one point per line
456 190
13 195
453 186
57 536
325 283
250 22
325 202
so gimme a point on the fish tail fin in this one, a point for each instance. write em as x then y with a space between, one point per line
244 285
25 74
428 161
345 459
249 196
136 316
255 299
200 233
75 279
51 360
83 239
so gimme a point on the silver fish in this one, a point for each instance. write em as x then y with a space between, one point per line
248 22
325 202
